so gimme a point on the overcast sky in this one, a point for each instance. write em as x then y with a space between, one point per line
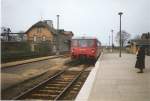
83 17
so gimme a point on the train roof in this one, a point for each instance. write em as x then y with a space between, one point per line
84 37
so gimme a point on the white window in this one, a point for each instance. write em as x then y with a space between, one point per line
44 38
39 30
34 38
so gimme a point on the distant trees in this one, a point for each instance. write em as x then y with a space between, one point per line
124 37
5 31
8 35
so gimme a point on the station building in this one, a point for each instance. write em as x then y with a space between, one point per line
43 32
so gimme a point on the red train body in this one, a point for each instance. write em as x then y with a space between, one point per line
89 48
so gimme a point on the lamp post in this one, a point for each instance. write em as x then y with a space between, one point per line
57 32
112 39
109 41
120 13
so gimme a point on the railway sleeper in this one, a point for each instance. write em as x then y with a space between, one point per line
42 96
52 88
58 88
61 82
57 84
73 92
77 85
64 79
75 88
48 92
68 76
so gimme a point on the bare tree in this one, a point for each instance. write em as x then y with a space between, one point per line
6 31
137 37
124 37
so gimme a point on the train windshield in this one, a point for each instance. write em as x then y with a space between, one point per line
82 42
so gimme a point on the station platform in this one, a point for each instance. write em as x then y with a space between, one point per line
15 63
116 79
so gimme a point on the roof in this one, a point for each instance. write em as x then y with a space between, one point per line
141 42
4 34
48 24
68 33
84 37
42 24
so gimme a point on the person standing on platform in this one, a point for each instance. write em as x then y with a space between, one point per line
140 62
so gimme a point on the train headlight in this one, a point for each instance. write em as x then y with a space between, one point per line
72 50
93 51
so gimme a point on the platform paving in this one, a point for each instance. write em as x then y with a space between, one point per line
116 79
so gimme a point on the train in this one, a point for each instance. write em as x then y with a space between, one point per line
85 48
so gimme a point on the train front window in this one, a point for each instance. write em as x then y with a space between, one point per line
86 43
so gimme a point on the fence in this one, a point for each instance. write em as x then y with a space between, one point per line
13 51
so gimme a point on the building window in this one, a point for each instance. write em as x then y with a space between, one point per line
39 30
44 38
34 38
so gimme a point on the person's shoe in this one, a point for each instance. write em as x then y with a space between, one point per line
140 72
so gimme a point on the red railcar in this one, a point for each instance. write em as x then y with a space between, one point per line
83 47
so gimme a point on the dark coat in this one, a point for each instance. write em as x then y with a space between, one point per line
140 62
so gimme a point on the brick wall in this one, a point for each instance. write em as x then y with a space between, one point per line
39 33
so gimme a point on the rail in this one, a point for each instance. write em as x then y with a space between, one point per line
63 79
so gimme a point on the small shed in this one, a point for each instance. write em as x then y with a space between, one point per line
64 40
143 41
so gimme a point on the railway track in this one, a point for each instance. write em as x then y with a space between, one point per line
53 88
